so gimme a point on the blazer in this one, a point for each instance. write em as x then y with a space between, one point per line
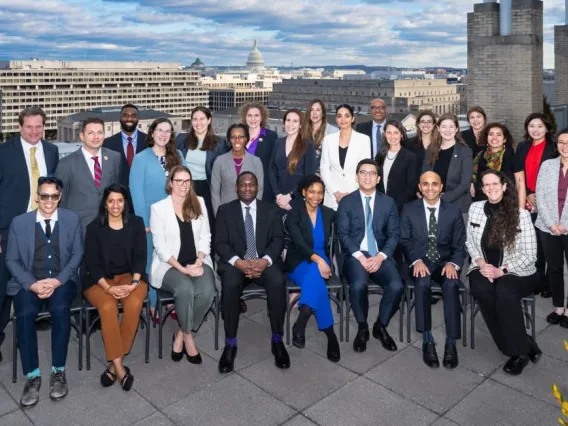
167 241
366 128
114 143
402 181
21 249
264 151
521 260
300 231
469 138
335 177
79 191
547 196
521 155
230 237
350 223
210 155
450 239
15 180
458 180
224 178
281 181
419 152
98 250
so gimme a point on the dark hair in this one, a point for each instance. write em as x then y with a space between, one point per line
367 161
117 188
243 111
380 158
307 181
128 106
246 173
309 128
478 109
237 126
31 111
191 208
49 180
91 120
172 157
562 132
210 141
506 134
349 108
434 133
549 137
300 144
436 144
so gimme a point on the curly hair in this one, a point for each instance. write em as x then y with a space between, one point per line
172 156
307 181
245 108
506 134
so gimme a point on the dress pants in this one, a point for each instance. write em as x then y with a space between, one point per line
500 305
541 270
5 300
387 277
555 251
27 305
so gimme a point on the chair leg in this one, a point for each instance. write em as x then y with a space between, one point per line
158 311
472 321
341 313
464 321
409 306
533 319
216 301
401 315
87 339
146 323
14 352
81 340
288 309
347 311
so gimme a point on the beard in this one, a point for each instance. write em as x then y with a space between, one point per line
128 127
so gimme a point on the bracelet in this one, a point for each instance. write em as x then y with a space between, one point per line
135 282
107 290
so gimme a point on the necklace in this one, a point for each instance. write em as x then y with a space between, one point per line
238 164
394 156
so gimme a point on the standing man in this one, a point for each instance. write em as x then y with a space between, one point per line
376 127
129 142
86 172
433 240
23 160
368 230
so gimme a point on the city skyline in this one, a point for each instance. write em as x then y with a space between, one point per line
402 33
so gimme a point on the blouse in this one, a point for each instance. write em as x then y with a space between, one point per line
187 253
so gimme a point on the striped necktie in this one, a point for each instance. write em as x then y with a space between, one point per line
371 242
98 171
35 176
249 233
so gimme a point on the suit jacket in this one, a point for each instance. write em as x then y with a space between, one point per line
80 193
333 175
281 181
521 155
224 178
210 156
98 250
167 241
469 138
15 180
350 223
547 196
402 180
114 143
21 249
367 129
264 151
230 237
450 239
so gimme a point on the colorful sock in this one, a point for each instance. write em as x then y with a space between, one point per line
231 341
427 336
450 340
276 338
57 369
33 374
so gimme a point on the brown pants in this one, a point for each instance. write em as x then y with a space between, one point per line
118 337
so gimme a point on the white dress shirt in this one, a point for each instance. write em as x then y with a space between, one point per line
40 159
364 246
90 162
41 220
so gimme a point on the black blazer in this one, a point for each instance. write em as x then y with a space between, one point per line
521 155
469 138
264 151
98 250
367 129
299 226
230 237
15 180
419 152
115 143
402 180
281 181
210 156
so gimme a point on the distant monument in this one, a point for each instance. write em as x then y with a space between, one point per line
197 64
254 60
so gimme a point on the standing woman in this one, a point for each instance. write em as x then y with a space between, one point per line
261 140
341 152
552 222
473 136
317 127
426 132
293 158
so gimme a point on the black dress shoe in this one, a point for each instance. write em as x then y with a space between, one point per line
450 356
281 357
381 333
545 294
177 356
554 318
564 321
516 364
194 359
360 341
333 353
535 352
227 360
298 340
429 355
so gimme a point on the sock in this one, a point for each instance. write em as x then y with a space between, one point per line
302 321
231 341
363 325
57 369
450 340
427 336
33 374
276 338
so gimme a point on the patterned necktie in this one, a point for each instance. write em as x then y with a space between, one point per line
47 228
98 171
35 177
249 232
371 242
432 253
377 146
130 152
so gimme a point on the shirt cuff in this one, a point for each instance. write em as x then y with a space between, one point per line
357 254
384 255
233 259
267 257
415 262
457 267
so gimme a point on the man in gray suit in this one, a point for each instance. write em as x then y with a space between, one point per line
87 172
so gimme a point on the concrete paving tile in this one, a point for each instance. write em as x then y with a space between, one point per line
299 420
551 342
15 418
157 419
442 421
7 404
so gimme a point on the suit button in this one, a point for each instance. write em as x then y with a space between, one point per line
49 257
49 241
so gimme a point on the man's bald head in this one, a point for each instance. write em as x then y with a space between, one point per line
430 187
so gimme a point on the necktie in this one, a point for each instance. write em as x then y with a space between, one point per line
130 152
47 228
35 177
377 146
371 242
432 253
98 172
249 232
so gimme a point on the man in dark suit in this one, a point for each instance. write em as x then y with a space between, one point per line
376 127
368 230
433 240
44 252
129 142
249 241
23 160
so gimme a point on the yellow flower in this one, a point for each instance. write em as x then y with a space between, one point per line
565 412
565 405
566 345
557 393
562 422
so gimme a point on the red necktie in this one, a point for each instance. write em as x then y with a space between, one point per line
130 152
98 172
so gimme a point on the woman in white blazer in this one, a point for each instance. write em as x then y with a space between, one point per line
341 152
181 262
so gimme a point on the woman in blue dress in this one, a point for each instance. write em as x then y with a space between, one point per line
309 226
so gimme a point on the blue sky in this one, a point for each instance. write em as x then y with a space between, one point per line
410 33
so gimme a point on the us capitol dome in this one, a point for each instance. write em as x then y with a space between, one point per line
254 60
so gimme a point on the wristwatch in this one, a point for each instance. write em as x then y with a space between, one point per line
505 270
135 282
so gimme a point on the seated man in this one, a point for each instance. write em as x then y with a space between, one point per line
45 248
434 252
249 239
368 230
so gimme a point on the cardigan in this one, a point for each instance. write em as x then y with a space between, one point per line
547 196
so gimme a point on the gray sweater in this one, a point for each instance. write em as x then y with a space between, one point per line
547 196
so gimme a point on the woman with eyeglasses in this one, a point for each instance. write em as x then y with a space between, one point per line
426 132
181 262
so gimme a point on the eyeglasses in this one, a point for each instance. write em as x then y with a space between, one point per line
380 108
164 132
426 122
182 182
238 138
562 143
365 173
47 197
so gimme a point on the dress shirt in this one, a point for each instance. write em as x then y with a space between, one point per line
41 220
374 136
134 137
90 162
363 246
40 158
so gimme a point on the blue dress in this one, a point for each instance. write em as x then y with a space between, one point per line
308 278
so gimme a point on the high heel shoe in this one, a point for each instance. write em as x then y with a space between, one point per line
127 380
177 356
194 359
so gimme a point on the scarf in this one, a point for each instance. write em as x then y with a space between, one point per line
493 161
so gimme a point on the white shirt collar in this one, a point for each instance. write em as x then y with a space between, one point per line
375 124
251 205
27 146
90 156
436 206
40 218
363 195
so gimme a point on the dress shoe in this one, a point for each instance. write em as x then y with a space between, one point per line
58 385
381 333
545 294
281 357
177 356
450 356
243 306
554 318
194 359
535 352
227 360
298 339
429 355
360 341
30 396
564 321
333 353
516 364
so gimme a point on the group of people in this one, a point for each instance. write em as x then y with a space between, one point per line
126 216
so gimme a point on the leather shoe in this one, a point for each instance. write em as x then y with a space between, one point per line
281 357
564 321
515 365
545 294
360 341
554 318
535 352
381 333
227 360
450 356
429 355
333 353
298 340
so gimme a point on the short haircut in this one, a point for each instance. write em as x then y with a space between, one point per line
128 106
31 111
49 180
242 126
308 181
367 161
91 120
246 173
